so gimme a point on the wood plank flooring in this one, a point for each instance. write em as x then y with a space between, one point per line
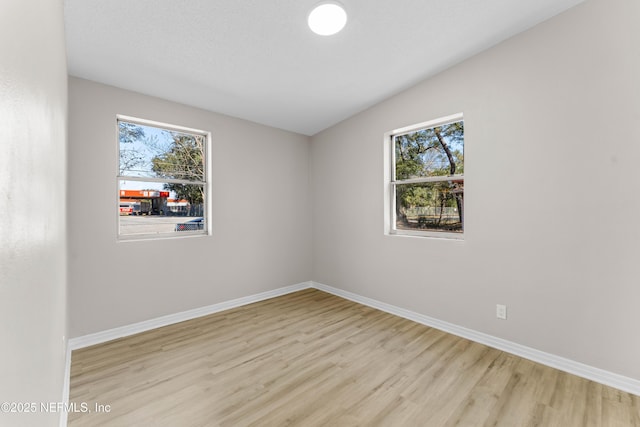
314 359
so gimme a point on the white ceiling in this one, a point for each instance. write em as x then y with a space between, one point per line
258 60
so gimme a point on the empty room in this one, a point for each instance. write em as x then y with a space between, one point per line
319 213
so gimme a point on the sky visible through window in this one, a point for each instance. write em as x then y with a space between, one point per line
144 148
161 180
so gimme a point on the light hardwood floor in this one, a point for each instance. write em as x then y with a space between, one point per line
314 359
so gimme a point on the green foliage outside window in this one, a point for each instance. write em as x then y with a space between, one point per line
429 153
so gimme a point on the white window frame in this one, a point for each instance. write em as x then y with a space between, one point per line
390 182
206 183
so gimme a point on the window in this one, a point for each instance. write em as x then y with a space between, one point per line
425 185
162 180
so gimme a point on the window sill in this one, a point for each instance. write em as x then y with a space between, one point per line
148 237
440 235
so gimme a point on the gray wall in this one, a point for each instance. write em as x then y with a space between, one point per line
552 140
261 216
33 118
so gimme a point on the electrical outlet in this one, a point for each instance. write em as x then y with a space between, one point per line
501 311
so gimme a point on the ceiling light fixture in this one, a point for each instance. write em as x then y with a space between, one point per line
327 18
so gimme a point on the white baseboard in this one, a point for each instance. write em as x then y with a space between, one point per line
598 375
620 382
135 328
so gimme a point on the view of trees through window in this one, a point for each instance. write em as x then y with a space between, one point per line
428 178
161 180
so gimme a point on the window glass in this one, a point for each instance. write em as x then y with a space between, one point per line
436 151
162 187
430 206
427 178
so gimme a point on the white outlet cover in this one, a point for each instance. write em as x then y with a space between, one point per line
501 311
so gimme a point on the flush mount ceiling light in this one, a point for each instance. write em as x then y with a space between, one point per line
327 18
